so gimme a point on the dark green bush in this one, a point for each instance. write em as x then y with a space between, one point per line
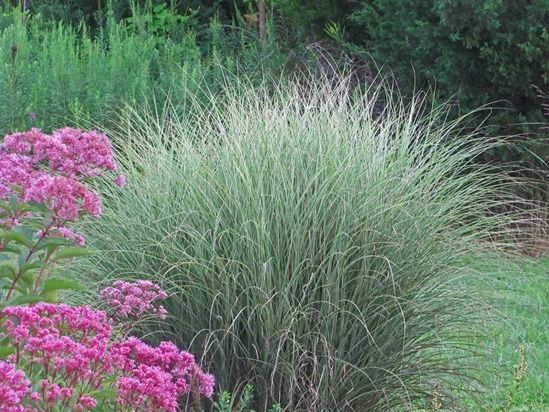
481 50
484 50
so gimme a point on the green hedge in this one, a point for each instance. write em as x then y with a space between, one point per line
479 51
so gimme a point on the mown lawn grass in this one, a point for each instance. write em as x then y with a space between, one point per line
521 295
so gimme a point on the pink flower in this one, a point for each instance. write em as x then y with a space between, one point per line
37 167
120 180
148 388
22 142
74 350
14 387
64 196
134 300
70 234
206 383
175 373
85 403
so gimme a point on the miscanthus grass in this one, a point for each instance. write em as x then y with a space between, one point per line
315 240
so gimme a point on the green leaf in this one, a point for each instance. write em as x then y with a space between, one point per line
5 283
104 394
71 252
54 284
6 351
53 243
35 264
51 296
13 203
28 278
25 299
40 207
11 249
17 237
7 269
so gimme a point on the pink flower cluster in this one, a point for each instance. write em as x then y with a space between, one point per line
14 387
72 350
133 300
51 169
156 377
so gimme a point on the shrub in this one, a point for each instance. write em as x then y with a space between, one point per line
478 51
474 52
313 240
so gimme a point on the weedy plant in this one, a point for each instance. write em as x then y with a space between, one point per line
85 76
315 239
227 402
521 371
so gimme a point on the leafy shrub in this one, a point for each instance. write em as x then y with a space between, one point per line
473 52
314 246
480 51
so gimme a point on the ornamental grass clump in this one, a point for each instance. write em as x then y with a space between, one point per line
316 242
57 357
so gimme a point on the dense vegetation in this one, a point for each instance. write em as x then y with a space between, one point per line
315 247
51 75
477 52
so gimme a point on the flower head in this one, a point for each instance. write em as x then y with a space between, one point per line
133 300
14 387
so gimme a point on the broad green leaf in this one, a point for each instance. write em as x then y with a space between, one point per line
50 297
18 237
71 252
27 232
28 278
5 283
35 264
25 299
54 241
7 269
11 248
53 284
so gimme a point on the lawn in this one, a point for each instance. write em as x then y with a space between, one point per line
521 293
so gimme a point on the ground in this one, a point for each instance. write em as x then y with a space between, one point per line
522 292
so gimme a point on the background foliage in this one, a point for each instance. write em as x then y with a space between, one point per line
473 52
51 74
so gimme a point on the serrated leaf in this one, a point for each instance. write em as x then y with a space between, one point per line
54 284
71 252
